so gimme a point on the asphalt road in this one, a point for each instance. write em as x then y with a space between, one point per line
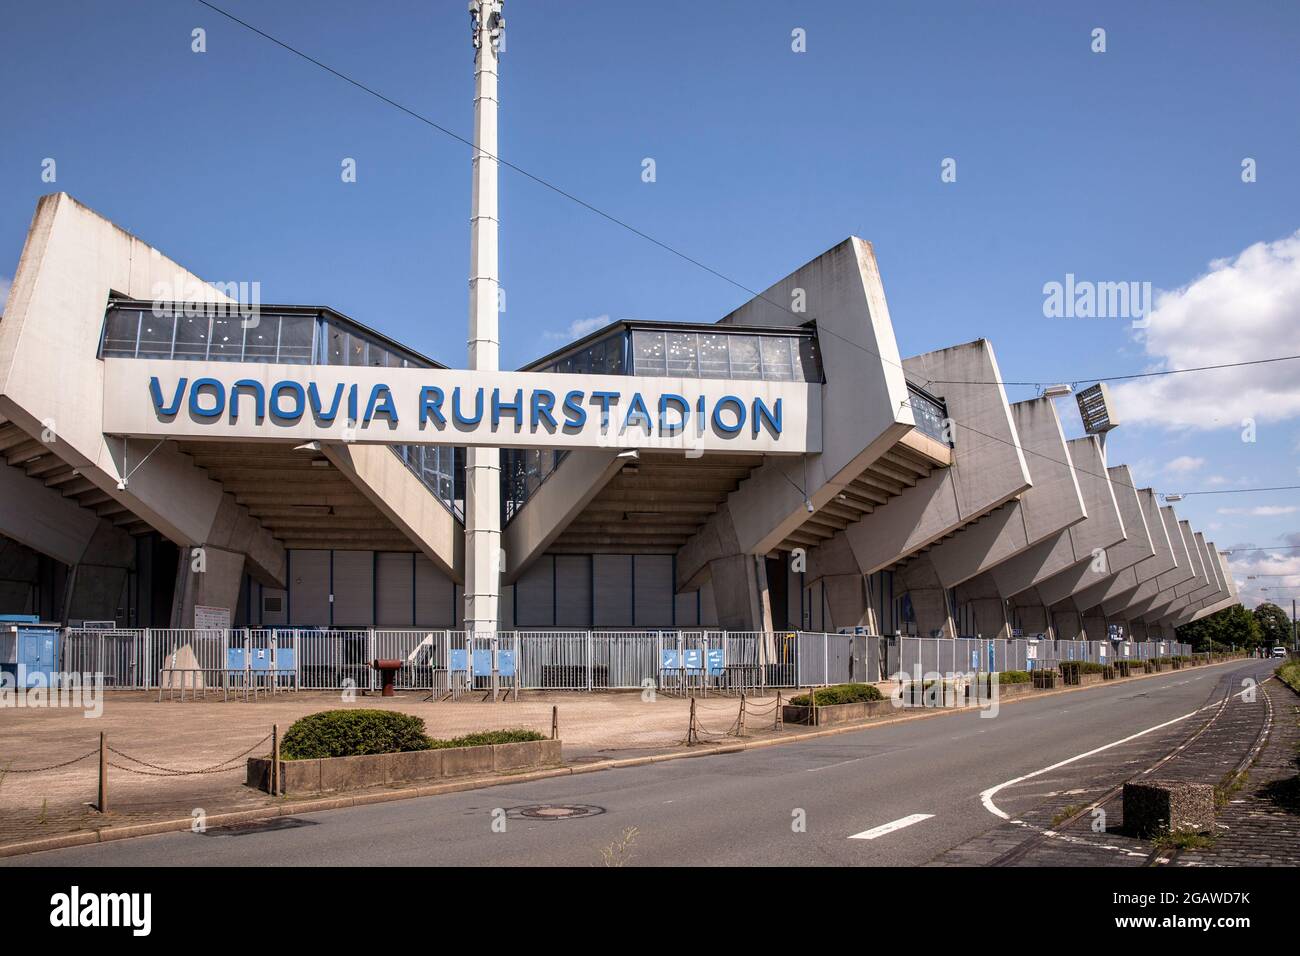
917 785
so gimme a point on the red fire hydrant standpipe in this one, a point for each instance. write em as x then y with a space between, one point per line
387 675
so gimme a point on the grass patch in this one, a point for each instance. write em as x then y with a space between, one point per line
1066 812
1289 674
1230 784
840 694
1183 840
485 737
360 732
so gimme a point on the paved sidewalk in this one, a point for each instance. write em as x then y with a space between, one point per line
196 735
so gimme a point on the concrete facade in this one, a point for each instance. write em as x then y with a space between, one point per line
916 498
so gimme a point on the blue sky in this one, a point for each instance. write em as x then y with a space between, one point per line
1115 166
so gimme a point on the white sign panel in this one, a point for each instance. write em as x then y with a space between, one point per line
211 618
239 401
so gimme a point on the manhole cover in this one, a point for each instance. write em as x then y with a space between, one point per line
555 811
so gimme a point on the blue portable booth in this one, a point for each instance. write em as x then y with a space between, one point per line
26 642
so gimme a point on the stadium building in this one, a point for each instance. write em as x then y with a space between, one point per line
184 463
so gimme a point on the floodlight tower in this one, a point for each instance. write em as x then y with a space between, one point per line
483 465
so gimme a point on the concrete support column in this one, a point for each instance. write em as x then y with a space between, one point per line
846 597
740 592
1067 623
1095 625
1033 620
207 576
928 596
988 605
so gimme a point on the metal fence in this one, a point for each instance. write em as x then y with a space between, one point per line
450 663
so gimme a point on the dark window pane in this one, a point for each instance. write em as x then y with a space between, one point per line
776 359
259 339
227 339
681 354
295 339
713 356
744 356
614 355
119 332
808 363
648 353
337 346
192 337
156 335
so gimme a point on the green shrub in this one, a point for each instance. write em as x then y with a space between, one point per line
1015 677
1289 674
1083 667
352 733
840 694
485 737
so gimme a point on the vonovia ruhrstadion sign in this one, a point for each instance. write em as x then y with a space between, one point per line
258 402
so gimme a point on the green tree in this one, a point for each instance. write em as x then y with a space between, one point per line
1274 625
1231 627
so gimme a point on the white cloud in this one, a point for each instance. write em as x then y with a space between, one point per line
1242 309
1262 511
579 327
1184 464
1271 570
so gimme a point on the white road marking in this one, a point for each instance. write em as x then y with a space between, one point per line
840 763
891 827
987 796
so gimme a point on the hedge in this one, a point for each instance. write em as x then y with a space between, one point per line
1014 677
1084 667
352 733
355 733
840 694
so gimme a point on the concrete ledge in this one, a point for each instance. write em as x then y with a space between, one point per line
332 774
838 713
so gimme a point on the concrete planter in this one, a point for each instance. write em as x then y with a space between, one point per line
1007 691
839 713
333 774
1090 678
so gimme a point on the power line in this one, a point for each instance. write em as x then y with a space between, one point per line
684 256
558 190
1239 491
1121 378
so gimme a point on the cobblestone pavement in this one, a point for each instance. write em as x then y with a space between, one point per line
1260 824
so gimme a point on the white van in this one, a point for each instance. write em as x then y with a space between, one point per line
1279 652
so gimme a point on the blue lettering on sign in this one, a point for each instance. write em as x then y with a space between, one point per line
296 392
286 401
318 410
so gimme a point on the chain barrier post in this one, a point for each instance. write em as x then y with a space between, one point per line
102 804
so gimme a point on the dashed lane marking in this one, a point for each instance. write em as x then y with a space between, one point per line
885 828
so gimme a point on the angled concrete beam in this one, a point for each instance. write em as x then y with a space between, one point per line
402 498
988 469
1117 600
1052 504
72 261
865 407
1074 560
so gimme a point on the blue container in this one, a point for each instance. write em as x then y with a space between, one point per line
27 644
